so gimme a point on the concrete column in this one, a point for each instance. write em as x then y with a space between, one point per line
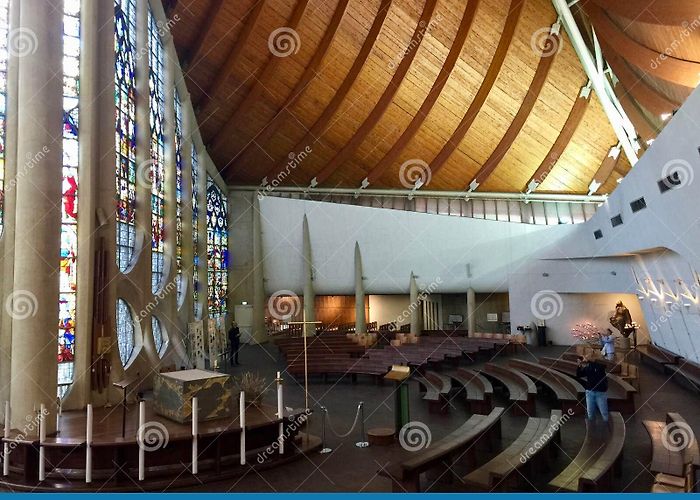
360 317
309 295
202 232
170 185
259 329
34 301
8 234
187 229
471 311
414 307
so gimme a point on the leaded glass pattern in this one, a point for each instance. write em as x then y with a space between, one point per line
125 136
178 193
68 283
195 231
159 336
217 249
156 78
126 335
4 55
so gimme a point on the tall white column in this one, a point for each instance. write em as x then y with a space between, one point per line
187 228
259 330
170 179
471 311
202 233
309 294
414 307
360 317
37 212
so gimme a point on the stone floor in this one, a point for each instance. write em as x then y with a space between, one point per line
351 469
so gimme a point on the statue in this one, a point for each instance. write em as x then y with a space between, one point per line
622 320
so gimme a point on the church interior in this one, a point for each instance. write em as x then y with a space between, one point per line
360 246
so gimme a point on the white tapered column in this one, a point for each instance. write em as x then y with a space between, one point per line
309 294
360 316
471 311
414 307
259 330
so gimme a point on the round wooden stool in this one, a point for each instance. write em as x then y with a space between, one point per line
381 436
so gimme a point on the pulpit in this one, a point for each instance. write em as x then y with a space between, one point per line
173 393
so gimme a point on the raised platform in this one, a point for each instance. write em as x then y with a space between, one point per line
167 446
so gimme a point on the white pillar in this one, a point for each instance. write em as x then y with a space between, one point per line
360 317
38 186
309 294
259 329
414 307
471 311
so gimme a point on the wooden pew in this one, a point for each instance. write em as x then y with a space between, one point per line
523 453
686 373
598 460
521 389
657 357
620 393
673 445
477 389
666 483
459 444
437 389
567 390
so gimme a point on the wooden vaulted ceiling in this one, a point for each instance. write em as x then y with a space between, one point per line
478 90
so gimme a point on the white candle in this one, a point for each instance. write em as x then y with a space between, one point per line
88 447
195 432
42 438
280 413
242 418
142 451
6 445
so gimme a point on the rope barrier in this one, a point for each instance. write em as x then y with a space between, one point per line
354 424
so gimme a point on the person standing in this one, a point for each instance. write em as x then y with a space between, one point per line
234 340
608 341
595 381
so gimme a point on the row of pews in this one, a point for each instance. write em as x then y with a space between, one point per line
683 371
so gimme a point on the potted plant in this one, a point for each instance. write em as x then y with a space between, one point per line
253 385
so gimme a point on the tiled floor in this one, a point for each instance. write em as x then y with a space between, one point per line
349 468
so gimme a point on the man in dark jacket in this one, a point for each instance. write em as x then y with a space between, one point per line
234 340
595 380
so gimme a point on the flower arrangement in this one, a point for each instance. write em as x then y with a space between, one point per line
586 333
253 385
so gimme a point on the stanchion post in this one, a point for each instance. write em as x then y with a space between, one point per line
139 438
324 448
242 420
362 443
195 434
6 445
280 413
88 445
42 438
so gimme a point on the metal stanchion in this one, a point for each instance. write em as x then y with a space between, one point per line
324 448
362 443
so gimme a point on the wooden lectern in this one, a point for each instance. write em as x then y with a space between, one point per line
399 374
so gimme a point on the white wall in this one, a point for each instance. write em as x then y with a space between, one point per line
387 308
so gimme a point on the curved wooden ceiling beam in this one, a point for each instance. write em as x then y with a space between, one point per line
667 12
679 71
311 71
259 86
231 62
647 96
319 126
644 129
567 132
607 166
549 53
192 54
433 95
516 8
385 100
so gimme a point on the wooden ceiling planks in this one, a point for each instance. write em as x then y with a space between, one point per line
385 100
193 52
669 12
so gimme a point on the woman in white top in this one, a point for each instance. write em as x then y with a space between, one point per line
608 341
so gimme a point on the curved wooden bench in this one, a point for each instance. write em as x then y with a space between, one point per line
477 388
686 373
521 389
460 444
620 393
667 483
657 356
524 452
671 450
599 458
567 390
437 391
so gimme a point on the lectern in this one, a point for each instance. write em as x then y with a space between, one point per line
399 374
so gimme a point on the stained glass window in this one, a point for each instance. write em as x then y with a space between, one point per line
157 172
126 340
217 249
159 336
4 54
195 232
178 195
69 212
125 137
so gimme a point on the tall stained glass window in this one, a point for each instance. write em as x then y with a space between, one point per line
178 193
156 79
69 212
195 231
4 55
125 136
126 337
159 337
217 249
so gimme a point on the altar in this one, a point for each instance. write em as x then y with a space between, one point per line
173 393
